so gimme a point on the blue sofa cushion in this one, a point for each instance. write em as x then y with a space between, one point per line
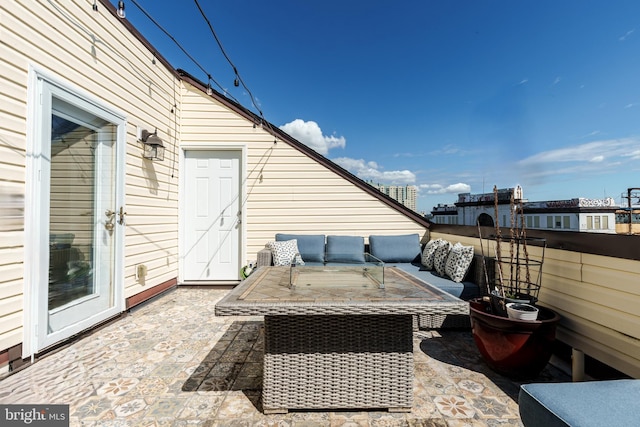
399 248
464 290
311 246
592 403
349 249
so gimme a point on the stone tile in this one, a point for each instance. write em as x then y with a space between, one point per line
172 362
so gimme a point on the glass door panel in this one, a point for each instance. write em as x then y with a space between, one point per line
82 216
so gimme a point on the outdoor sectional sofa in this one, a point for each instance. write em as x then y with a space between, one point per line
401 251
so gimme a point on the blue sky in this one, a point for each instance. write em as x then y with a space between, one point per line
450 96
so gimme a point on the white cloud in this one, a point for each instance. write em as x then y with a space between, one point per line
590 134
626 36
310 134
585 152
371 171
635 155
601 157
449 189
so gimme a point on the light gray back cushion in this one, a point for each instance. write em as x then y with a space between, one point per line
311 246
345 249
398 248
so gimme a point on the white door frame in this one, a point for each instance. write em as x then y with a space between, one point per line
35 238
242 148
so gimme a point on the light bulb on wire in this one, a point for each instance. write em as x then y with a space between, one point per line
121 12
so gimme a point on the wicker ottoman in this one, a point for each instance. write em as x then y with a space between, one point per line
331 362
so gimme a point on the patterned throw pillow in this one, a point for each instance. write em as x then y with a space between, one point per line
284 251
458 262
429 253
440 258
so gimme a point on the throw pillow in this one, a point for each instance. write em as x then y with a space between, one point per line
283 252
429 252
458 262
440 258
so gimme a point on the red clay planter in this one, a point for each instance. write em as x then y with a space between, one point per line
514 348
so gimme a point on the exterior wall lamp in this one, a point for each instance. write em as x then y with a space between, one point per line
153 148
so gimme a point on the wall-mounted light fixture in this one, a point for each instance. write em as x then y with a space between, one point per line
121 13
152 144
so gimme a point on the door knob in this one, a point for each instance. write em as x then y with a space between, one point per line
111 216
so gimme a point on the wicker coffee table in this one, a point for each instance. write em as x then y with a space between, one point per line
343 342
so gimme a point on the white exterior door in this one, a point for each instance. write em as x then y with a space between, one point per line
78 233
212 215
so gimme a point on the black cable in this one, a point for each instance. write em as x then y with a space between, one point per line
235 70
182 48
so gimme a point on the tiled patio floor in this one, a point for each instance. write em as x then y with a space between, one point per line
172 362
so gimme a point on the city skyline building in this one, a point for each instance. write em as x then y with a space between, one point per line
577 214
405 194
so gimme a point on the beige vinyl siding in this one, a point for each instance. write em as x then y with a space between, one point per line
12 163
598 298
95 53
288 191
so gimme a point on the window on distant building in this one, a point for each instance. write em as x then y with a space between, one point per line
558 222
596 222
529 221
589 222
605 222
566 222
536 221
549 222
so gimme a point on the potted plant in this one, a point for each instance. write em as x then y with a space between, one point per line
517 344
519 276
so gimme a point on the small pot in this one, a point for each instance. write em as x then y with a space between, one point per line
520 311
499 302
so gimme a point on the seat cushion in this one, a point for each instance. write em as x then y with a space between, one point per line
311 246
349 249
464 290
398 248
585 404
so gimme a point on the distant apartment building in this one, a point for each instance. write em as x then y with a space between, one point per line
445 214
404 194
628 220
577 214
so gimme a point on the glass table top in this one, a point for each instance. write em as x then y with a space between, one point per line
324 290
367 275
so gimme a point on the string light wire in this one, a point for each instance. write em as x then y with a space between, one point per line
173 39
224 53
238 79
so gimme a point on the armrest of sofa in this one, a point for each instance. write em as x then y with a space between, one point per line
264 258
